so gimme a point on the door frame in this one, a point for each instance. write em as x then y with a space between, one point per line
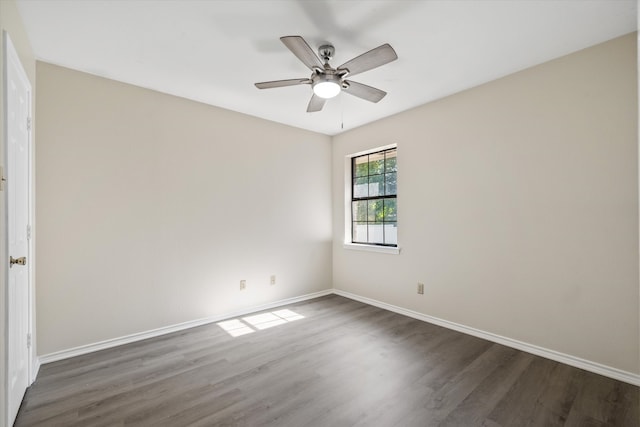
11 56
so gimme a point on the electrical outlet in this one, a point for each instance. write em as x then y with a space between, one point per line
421 288
273 279
243 285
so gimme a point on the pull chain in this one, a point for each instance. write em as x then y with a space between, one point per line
341 114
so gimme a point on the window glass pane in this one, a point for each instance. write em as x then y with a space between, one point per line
390 210
391 184
390 161
376 163
360 187
361 166
376 185
373 205
359 230
375 210
359 210
376 233
390 233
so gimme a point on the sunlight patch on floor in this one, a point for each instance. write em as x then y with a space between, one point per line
235 327
250 324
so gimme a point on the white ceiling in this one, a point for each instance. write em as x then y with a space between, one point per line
214 50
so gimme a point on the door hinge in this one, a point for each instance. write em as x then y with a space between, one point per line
28 123
28 340
28 232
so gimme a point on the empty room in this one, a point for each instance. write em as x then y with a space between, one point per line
319 213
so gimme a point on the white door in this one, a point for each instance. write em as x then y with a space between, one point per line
18 131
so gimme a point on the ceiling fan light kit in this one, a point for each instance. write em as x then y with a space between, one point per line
326 81
326 89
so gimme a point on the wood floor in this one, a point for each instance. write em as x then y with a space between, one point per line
344 364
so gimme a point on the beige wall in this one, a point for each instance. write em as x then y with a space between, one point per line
152 208
10 22
518 207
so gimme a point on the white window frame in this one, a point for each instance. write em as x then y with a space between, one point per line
394 250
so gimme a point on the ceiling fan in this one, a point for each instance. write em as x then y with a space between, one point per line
326 81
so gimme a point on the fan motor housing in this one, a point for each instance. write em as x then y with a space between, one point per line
327 76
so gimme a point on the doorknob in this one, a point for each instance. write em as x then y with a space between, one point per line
20 261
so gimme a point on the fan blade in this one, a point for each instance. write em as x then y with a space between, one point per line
301 49
363 91
282 83
369 60
315 104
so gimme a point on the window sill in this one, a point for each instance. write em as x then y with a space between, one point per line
373 248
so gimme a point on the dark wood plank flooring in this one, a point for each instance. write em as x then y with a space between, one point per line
344 364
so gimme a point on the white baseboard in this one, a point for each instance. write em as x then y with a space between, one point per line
102 345
567 359
34 370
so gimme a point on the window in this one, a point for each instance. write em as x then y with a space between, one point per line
373 198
